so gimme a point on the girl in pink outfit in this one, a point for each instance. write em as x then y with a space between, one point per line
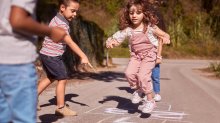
137 23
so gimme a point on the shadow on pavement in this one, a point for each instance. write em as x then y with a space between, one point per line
165 78
127 89
106 76
145 115
68 97
49 118
123 103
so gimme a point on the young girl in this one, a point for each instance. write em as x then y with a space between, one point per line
136 23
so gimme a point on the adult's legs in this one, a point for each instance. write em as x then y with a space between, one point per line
5 110
19 88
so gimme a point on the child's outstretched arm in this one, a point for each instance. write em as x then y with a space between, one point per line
117 38
74 47
159 51
161 34
110 43
22 22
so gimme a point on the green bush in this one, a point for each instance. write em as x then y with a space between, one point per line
111 6
215 67
119 52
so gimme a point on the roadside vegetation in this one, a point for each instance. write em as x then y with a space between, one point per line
215 67
193 28
192 24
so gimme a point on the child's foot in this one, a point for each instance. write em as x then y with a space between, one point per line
65 111
157 97
136 98
148 106
144 100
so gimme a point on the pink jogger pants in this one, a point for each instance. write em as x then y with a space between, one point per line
139 70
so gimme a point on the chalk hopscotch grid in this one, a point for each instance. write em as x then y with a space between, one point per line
157 114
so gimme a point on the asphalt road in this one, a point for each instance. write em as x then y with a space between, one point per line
187 97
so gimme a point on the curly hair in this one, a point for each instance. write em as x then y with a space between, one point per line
149 16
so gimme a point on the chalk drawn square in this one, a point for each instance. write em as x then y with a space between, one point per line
162 106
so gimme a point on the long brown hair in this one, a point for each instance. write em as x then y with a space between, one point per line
149 16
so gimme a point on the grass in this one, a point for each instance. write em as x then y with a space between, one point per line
119 52
215 67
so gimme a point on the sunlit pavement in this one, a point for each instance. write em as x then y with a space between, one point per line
187 97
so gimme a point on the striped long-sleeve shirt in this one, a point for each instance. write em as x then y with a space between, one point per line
51 48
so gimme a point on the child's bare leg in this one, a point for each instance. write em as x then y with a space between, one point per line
43 85
60 93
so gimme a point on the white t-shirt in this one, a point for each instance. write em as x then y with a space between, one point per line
16 48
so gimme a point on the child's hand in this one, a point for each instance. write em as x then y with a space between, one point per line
116 43
57 34
159 60
112 43
85 60
166 40
109 44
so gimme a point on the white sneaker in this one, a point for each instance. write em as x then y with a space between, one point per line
136 98
157 97
140 107
148 106
144 99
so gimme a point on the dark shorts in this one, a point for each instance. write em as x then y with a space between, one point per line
54 67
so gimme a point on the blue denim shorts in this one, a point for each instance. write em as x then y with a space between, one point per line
54 67
18 93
